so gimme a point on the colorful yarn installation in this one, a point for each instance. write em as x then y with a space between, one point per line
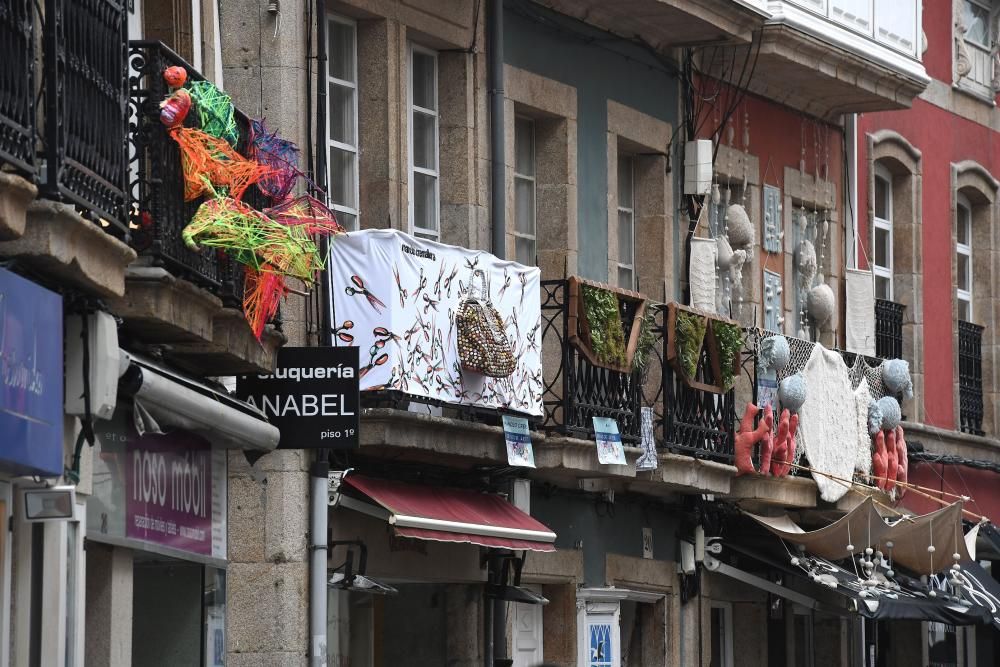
307 212
263 291
215 111
281 155
252 238
209 161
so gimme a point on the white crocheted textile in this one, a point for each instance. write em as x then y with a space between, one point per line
863 456
828 423
702 275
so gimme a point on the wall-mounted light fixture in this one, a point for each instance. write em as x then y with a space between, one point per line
55 503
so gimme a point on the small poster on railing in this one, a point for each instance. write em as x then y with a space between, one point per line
518 437
609 442
648 460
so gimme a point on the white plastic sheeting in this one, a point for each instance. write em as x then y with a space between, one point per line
395 297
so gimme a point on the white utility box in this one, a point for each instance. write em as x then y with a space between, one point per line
102 347
698 167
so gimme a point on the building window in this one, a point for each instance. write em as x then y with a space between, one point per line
342 79
963 258
882 261
976 18
978 42
722 635
524 190
423 140
626 221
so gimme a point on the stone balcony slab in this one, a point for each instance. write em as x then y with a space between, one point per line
232 349
160 309
59 242
191 326
761 491
16 194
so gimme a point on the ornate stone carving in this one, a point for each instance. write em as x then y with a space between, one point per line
963 64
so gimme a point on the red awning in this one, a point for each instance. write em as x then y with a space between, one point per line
448 515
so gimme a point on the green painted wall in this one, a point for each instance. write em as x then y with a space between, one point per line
605 528
601 67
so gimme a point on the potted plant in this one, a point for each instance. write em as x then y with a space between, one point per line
690 332
606 324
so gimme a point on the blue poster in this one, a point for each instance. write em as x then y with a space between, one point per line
609 442
31 377
600 645
518 437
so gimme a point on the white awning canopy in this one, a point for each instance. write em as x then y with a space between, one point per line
164 400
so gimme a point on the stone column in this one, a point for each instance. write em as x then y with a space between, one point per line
267 580
109 606
381 132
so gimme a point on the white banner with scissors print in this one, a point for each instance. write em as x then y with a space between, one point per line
395 297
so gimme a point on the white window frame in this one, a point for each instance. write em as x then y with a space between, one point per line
630 210
727 629
965 249
412 109
6 539
339 145
530 178
884 224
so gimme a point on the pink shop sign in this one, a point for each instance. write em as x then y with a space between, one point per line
169 493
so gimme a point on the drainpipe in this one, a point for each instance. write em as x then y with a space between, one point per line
498 176
318 479
318 499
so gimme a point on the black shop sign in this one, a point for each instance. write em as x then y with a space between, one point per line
312 397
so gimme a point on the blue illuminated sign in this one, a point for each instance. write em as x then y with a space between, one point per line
31 378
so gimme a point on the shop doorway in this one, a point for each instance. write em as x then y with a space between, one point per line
620 628
178 613
424 625
528 632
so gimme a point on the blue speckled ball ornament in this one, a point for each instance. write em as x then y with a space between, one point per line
792 392
896 377
774 352
884 414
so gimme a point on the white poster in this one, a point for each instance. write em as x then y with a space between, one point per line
518 437
396 296
609 442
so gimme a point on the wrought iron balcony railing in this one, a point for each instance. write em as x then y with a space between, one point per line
687 420
889 329
157 185
86 101
17 86
970 377
576 391
75 149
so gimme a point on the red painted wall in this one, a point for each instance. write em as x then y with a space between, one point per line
979 485
777 135
943 138
937 20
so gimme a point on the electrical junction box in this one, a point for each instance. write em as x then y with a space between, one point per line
698 167
102 350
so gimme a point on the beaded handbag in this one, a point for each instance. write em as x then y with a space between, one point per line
483 346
